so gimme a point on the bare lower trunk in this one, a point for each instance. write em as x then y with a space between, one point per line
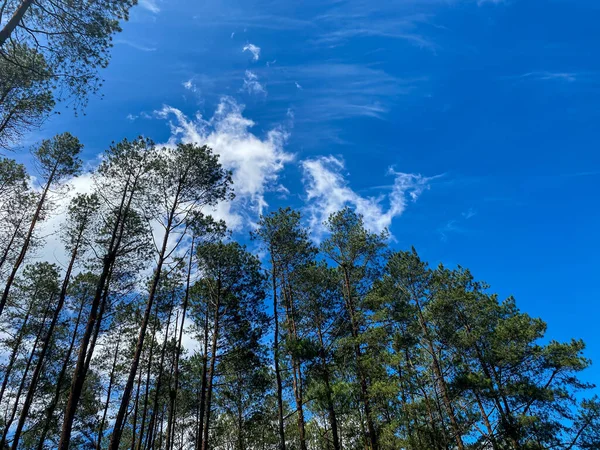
157 388
330 406
135 409
211 372
173 392
147 387
119 420
46 345
80 369
111 380
59 381
202 400
281 428
371 437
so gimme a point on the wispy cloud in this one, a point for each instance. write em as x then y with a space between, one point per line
469 213
338 91
252 85
327 191
393 20
456 226
135 45
150 5
191 86
548 76
255 50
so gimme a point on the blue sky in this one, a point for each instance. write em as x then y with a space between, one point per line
469 127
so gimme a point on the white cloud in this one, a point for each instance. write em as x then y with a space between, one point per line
255 162
255 50
549 76
53 249
298 85
328 191
150 5
140 47
190 86
252 85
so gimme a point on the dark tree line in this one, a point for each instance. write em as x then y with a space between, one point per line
160 331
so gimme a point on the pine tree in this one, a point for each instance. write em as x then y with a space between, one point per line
57 160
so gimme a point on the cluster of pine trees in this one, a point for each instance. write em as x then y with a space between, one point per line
160 331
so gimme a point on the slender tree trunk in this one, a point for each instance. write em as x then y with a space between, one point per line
46 344
147 387
98 322
10 420
17 16
38 210
486 421
202 401
371 437
59 380
111 380
173 392
296 367
281 427
80 371
135 410
15 350
439 377
162 421
330 406
10 243
163 352
488 370
211 372
432 420
118 427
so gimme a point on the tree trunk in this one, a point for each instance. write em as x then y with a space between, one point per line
486 421
38 210
153 416
111 380
59 381
173 392
135 409
371 437
281 427
9 422
440 380
80 369
98 322
147 387
202 401
10 26
211 373
330 406
46 345
15 351
10 243
118 427
296 368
